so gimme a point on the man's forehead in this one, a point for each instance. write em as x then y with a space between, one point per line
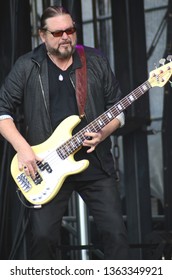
60 21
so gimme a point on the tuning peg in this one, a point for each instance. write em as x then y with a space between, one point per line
169 57
162 61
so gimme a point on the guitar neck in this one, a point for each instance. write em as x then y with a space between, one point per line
75 142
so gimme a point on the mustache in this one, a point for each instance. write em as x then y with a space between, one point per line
65 42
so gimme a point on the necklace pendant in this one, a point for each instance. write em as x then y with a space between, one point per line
60 77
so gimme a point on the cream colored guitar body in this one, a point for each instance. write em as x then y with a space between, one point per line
54 170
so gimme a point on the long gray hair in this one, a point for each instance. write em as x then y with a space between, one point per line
52 11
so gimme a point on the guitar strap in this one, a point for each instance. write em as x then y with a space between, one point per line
81 81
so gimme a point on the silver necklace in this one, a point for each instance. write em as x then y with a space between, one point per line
60 77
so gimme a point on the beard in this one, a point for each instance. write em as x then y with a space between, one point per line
66 53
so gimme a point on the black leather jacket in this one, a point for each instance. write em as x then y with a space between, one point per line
27 84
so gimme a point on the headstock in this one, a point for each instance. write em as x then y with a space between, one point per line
160 76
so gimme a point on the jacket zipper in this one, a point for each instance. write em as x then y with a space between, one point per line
43 94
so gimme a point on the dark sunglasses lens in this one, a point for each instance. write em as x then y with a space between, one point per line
57 34
67 31
70 31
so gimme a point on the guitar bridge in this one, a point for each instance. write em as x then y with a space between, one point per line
23 182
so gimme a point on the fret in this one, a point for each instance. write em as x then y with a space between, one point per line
100 122
126 102
105 119
131 98
144 87
79 140
73 144
134 95
81 136
60 153
93 126
115 112
109 115
63 151
120 107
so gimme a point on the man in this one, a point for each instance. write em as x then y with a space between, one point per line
44 83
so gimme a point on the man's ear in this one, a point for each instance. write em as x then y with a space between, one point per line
41 35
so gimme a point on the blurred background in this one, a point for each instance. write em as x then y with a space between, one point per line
134 35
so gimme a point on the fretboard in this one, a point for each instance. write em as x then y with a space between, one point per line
75 142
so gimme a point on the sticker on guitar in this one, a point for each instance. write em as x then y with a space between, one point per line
58 150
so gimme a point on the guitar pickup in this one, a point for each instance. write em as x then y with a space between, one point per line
37 180
44 166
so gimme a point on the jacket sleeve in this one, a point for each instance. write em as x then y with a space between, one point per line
11 92
112 91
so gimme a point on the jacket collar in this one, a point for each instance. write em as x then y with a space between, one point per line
40 52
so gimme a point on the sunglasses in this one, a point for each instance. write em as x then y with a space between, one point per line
59 33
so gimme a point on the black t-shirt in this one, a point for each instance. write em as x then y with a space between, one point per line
63 104
62 95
